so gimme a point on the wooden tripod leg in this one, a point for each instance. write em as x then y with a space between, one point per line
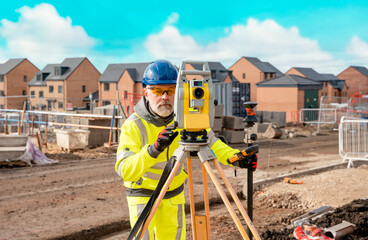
225 200
236 200
191 197
160 197
206 202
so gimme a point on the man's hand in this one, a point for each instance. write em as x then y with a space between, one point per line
164 139
246 161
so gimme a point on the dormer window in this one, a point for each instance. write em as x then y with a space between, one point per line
1 77
57 71
213 74
39 77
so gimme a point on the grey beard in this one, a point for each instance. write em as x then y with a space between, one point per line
162 111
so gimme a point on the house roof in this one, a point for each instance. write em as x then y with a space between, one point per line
94 97
337 84
291 81
10 64
265 67
310 73
113 72
221 71
69 65
362 70
329 76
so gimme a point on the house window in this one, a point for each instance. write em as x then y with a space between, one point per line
335 94
84 88
40 94
1 77
2 106
213 74
38 77
32 94
25 78
325 84
265 75
24 92
51 89
60 89
60 104
2 93
243 75
57 71
106 86
104 103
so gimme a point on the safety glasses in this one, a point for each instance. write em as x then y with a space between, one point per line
159 91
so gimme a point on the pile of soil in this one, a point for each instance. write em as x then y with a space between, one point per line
355 212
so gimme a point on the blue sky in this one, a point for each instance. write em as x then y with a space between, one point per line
326 35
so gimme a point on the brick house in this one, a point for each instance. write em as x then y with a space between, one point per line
288 93
219 73
332 86
119 79
60 87
252 70
14 77
356 78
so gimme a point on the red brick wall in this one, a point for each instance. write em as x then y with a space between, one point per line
356 81
85 74
14 83
280 99
252 75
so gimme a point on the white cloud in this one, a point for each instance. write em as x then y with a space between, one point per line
172 19
267 40
358 49
43 36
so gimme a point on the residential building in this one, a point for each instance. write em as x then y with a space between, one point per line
14 77
219 73
356 77
119 80
288 93
332 86
60 87
252 70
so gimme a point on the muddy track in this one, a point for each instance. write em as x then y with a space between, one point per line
78 194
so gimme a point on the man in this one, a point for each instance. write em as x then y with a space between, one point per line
147 139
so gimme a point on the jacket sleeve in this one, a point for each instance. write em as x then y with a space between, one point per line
132 159
221 150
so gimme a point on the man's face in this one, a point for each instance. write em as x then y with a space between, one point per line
161 105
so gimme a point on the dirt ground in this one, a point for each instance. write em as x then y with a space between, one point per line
81 197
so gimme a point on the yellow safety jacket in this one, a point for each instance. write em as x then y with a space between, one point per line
138 169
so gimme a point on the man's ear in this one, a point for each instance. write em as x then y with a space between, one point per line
145 92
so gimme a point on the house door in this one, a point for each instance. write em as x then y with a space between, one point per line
311 101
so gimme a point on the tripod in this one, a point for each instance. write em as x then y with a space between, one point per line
201 224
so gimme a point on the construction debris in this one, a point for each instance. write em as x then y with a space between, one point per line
272 132
292 181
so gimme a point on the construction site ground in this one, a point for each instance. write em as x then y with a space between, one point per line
82 197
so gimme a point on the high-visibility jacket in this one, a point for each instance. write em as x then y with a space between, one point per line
138 169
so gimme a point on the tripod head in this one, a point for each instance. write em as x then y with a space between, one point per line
194 106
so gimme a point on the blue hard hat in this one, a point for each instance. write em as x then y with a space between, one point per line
160 72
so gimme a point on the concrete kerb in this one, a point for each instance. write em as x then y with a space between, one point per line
312 171
109 228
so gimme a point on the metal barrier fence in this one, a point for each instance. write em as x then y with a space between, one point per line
353 139
318 115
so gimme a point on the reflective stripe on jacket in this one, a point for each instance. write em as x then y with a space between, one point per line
139 170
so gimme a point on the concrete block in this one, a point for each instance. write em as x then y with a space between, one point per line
217 126
11 152
232 122
233 136
13 140
272 132
260 127
219 110
278 118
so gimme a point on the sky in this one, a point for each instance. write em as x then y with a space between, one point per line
328 36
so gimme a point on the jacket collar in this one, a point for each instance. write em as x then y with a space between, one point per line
142 108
